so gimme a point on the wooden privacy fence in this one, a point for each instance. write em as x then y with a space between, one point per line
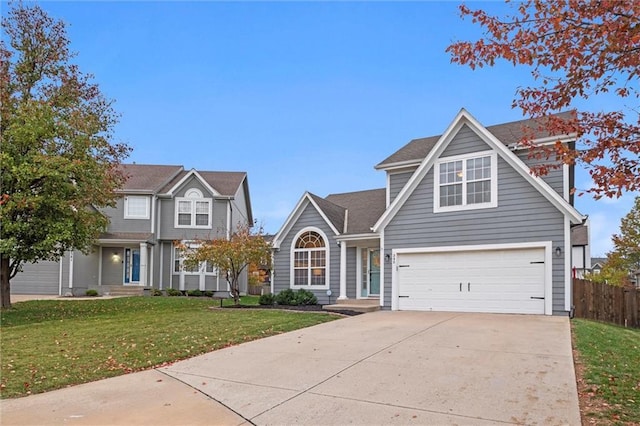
602 302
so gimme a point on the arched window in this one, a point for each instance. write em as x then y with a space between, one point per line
309 260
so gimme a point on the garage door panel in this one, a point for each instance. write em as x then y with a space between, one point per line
473 281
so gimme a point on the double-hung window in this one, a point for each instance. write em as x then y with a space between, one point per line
193 210
136 207
466 182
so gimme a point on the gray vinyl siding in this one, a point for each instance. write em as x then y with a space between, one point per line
352 270
555 176
112 268
117 222
165 267
282 257
397 181
37 278
85 271
239 208
522 215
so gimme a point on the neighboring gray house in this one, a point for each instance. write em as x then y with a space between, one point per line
480 234
160 205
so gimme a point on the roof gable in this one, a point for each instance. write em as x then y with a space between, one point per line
464 118
323 207
510 134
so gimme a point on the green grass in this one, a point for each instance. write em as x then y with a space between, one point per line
50 344
611 358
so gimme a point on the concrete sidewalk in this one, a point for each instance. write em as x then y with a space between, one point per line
145 398
378 368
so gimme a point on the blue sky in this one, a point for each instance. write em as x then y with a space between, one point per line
301 95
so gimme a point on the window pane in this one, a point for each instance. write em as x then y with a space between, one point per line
184 206
317 258
202 207
451 195
300 276
479 168
300 259
479 192
202 219
310 240
317 276
184 219
209 267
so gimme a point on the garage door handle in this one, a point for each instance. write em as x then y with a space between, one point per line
403 296
539 298
460 286
403 266
468 286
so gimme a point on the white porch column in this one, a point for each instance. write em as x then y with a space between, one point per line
343 270
143 264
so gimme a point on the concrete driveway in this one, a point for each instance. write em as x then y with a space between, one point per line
377 368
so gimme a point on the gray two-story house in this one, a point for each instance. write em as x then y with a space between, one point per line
160 206
462 225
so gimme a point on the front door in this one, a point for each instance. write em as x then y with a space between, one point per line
131 266
370 285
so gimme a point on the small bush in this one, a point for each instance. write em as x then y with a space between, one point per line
173 292
194 293
267 299
156 292
208 293
305 297
91 293
286 297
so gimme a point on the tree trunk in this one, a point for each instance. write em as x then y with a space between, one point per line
235 290
5 286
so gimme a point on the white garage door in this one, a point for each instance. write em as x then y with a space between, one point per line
37 278
507 281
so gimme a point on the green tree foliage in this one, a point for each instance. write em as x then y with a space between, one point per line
231 256
625 257
58 165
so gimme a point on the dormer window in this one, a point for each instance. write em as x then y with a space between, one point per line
136 207
193 210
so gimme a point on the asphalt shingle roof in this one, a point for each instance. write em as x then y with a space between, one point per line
332 211
226 183
507 133
364 208
147 177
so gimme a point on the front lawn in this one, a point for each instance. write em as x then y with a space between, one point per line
49 344
608 358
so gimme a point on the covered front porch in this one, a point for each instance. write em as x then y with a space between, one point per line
125 260
361 269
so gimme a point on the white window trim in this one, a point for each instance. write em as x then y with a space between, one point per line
494 182
327 259
193 201
126 207
201 268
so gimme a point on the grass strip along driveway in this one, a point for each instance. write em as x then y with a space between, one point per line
608 368
50 344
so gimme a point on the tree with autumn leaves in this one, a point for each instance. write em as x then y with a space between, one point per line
230 256
58 165
576 50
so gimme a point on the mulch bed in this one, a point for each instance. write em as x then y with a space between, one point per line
301 308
